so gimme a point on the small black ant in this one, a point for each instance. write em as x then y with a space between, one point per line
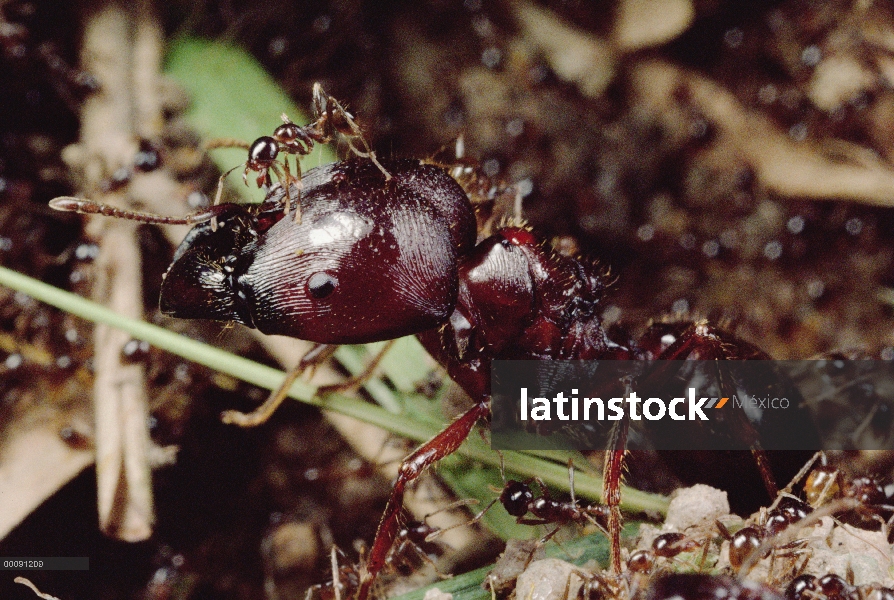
864 495
331 121
518 499
833 587
667 546
752 541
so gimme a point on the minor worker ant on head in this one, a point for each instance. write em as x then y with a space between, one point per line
331 121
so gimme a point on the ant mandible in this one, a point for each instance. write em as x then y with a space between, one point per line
384 251
331 121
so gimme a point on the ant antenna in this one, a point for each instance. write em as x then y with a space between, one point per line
88 207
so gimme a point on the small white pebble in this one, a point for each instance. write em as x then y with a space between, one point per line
548 579
436 594
696 505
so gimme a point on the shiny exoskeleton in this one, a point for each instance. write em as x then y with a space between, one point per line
375 258
371 260
389 250
864 500
666 545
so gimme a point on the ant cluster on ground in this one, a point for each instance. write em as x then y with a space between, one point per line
407 233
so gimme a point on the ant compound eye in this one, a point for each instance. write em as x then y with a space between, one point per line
263 149
321 285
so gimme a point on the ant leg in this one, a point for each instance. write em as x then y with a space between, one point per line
436 534
220 183
319 100
443 444
540 544
351 384
219 193
708 343
797 478
368 153
453 505
611 488
333 115
401 550
224 143
316 355
284 179
763 466
289 179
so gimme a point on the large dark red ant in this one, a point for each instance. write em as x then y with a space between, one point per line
384 251
331 121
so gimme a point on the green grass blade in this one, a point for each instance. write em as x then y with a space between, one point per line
555 475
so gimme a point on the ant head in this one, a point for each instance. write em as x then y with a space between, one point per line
516 497
263 150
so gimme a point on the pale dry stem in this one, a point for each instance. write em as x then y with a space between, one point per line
27 582
122 47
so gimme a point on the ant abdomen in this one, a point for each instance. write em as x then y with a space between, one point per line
669 545
743 544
